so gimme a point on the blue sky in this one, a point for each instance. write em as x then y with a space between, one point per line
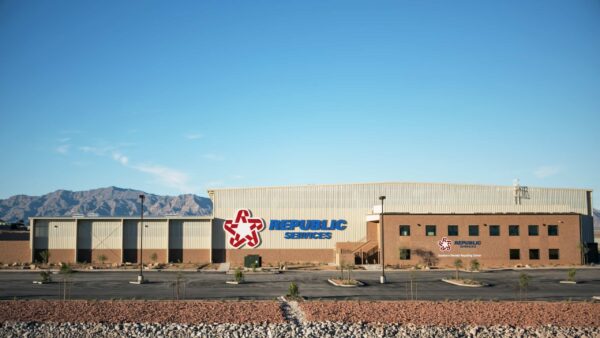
179 97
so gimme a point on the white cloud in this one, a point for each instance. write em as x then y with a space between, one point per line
167 176
193 136
120 158
546 171
63 149
64 139
100 151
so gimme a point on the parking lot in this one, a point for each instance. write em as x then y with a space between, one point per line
427 285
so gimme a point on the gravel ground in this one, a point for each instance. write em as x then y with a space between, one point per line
290 319
322 329
454 313
141 311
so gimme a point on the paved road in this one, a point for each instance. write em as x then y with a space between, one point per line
313 285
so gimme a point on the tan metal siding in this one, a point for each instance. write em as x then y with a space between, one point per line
99 234
61 234
353 202
155 234
189 234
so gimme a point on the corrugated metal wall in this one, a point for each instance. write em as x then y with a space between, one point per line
99 234
61 234
156 234
189 234
353 202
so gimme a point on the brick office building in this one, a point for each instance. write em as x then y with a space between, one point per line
423 223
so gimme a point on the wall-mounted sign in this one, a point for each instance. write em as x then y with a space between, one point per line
244 229
307 229
445 245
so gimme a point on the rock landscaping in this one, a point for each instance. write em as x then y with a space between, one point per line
259 330
302 319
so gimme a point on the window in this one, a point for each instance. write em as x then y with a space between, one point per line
430 230
533 230
515 254
552 230
513 230
405 230
494 230
473 230
553 253
534 253
452 230
405 254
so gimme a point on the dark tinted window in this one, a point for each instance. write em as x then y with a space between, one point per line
533 230
515 254
452 230
552 230
473 230
513 230
534 253
405 230
553 253
430 230
404 254
494 230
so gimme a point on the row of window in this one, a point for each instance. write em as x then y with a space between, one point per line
494 230
534 254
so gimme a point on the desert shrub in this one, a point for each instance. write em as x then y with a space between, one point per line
293 290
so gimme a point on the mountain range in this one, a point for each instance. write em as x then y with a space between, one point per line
111 201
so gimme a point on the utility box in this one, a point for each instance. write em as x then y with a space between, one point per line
252 259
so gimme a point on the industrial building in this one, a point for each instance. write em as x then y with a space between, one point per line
423 223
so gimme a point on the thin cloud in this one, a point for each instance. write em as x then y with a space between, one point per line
120 158
193 136
167 176
546 171
63 149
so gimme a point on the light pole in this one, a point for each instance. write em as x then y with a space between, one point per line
381 257
140 278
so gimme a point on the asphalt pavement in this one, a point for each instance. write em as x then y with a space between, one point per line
426 285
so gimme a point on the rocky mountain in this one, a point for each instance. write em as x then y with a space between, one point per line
597 219
111 201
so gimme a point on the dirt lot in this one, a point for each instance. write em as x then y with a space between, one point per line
140 311
454 313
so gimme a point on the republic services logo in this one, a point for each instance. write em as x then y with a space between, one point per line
244 229
445 244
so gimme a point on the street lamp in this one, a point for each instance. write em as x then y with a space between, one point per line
140 278
381 257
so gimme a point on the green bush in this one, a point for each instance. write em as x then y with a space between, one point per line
239 275
475 265
45 277
572 272
458 264
65 268
293 290
102 258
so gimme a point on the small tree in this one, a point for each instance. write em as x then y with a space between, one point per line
102 258
154 257
45 256
293 290
65 271
254 265
46 278
584 251
571 273
239 275
524 280
458 264
474 265
349 268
